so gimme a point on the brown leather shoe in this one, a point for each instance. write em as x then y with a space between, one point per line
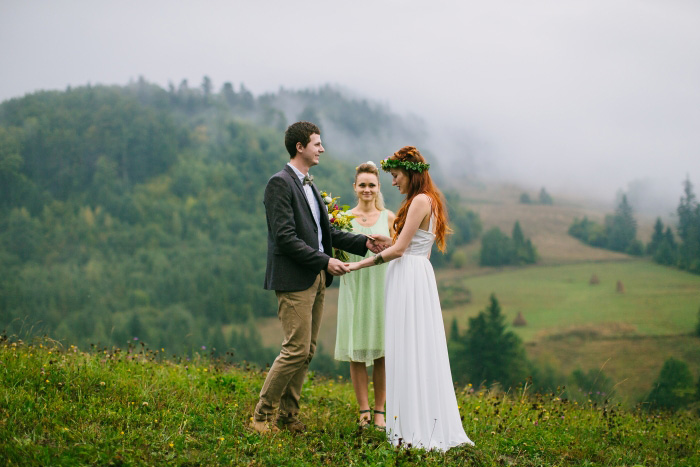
294 425
263 427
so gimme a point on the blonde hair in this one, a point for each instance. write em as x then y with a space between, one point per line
369 167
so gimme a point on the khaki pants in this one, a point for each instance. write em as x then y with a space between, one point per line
300 314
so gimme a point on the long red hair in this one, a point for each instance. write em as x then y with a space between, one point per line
421 182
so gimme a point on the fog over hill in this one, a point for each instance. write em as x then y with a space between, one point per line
585 98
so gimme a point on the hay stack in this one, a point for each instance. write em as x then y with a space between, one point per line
519 320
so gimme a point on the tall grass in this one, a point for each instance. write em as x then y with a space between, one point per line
65 406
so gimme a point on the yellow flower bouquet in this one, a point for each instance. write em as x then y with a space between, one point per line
340 217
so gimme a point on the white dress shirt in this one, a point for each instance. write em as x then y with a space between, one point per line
313 204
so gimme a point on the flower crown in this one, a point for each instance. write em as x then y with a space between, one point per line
388 164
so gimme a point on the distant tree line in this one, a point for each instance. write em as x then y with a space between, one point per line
620 230
543 198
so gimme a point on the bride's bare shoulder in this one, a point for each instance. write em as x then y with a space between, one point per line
421 203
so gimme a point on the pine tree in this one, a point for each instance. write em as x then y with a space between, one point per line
545 198
621 228
689 230
524 250
656 238
492 353
667 253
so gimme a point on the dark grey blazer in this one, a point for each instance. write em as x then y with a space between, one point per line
293 258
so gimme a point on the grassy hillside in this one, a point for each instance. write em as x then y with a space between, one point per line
63 406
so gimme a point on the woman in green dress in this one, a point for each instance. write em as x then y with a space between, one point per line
360 333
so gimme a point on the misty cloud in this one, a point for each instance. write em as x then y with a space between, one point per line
586 96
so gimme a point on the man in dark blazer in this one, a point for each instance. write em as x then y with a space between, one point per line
300 265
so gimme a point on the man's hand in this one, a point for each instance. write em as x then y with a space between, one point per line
337 267
378 243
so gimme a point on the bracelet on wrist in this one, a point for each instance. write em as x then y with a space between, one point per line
378 259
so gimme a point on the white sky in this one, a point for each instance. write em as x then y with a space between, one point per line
578 95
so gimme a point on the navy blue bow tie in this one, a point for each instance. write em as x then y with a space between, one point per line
308 179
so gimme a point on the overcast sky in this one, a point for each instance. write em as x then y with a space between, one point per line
581 95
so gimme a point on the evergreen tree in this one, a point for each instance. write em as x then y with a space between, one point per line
689 229
525 252
667 252
229 94
206 89
697 326
545 198
656 238
491 352
673 388
621 228
525 199
518 236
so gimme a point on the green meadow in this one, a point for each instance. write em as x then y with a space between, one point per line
135 407
656 300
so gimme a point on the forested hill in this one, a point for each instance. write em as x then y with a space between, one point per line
136 212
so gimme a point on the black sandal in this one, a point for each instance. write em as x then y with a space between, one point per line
364 421
379 427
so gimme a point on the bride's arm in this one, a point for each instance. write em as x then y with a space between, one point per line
417 211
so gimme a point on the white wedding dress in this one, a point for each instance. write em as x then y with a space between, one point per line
421 408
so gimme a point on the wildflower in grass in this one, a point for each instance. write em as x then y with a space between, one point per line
136 338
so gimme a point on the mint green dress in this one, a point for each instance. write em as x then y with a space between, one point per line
360 333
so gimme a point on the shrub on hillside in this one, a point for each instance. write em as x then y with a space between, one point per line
497 249
673 389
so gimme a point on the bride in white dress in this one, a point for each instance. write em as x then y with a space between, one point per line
421 409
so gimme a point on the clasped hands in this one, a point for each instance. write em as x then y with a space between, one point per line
375 243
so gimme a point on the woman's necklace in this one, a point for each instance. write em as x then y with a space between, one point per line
363 216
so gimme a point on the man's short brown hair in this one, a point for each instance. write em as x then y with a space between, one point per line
299 132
